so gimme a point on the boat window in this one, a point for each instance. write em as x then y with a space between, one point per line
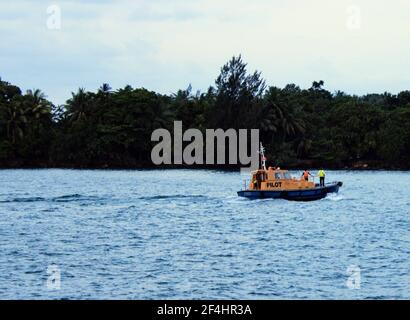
287 175
277 176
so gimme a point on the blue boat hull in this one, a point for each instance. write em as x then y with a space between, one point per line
296 195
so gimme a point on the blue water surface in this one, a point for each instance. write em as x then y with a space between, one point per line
184 234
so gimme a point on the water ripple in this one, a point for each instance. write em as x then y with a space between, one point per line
184 234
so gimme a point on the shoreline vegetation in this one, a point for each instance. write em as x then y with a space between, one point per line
198 167
299 166
300 128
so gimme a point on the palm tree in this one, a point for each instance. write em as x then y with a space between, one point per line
16 121
277 118
105 88
160 116
291 126
77 105
38 110
272 116
37 105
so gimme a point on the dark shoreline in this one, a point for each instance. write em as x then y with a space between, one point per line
356 166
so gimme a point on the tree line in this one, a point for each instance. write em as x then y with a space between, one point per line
299 127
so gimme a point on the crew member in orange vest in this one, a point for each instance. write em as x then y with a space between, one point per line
306 175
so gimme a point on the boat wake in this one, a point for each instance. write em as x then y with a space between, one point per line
335 197
175 196
64 198
29 199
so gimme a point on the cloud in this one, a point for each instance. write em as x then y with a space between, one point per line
165 45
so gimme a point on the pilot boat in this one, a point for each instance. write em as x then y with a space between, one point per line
279 184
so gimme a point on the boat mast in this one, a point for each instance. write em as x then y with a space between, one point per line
263 158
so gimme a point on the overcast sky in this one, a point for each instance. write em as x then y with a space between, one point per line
358 46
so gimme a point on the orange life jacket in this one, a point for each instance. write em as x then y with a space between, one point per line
306 174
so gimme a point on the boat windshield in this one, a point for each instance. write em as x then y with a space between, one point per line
287 175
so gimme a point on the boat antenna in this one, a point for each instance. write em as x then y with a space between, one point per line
263 158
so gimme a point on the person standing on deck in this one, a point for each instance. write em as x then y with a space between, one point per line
322 175
306 174
255 184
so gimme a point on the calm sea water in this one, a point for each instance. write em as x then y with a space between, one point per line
184 234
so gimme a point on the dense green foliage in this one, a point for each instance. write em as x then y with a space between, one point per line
299 127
